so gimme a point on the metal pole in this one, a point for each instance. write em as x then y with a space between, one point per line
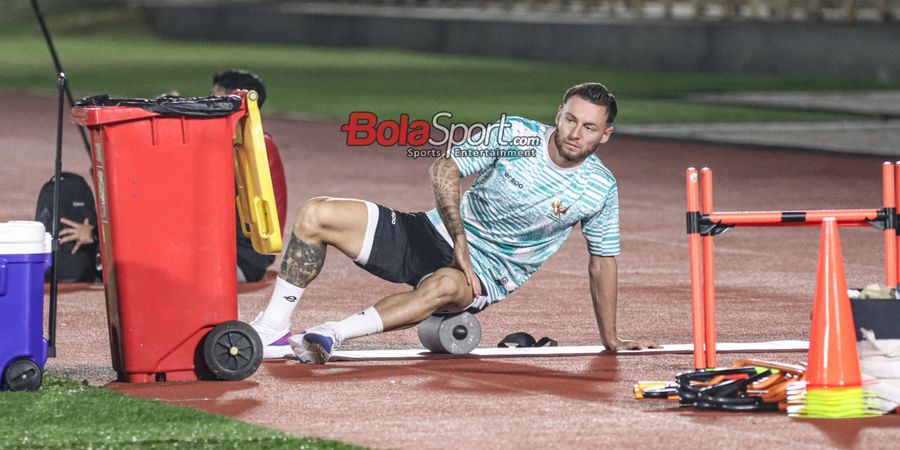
40 17
54 281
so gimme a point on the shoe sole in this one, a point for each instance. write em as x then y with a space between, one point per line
317 348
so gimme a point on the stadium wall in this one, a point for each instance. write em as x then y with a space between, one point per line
840 49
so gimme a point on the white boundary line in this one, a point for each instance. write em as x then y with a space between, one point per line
592 350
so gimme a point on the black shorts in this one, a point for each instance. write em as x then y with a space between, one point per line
405 247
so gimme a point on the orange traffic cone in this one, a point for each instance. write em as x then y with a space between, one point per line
833 386
833 357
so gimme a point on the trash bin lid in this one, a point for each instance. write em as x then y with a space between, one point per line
105 109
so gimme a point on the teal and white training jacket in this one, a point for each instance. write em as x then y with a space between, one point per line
522 206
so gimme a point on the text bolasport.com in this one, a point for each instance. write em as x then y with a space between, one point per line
481 140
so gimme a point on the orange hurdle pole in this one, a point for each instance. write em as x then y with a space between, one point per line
890 224
709 271
896 196
844 217
693 229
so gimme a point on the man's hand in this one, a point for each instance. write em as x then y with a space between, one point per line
629 345
80 233
463 262
603 272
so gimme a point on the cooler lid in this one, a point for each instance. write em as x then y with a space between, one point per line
21 231
19 237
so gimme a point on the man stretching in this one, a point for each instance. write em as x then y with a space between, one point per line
474 249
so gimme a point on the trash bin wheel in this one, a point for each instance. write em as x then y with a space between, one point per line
23 374
232 351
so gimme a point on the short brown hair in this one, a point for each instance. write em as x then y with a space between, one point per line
597 94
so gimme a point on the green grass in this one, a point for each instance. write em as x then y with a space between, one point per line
116 56
67 414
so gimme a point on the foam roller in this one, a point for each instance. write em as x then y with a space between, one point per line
456 334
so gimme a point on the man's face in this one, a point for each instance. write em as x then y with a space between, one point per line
581 128
219 90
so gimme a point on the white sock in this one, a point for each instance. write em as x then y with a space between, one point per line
358 325
285 299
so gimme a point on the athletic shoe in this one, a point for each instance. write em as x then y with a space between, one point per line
275 342
315 345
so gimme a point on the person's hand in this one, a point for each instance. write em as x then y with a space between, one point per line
618 344
463 262
80 233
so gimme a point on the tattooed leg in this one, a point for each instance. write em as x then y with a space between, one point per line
322 222
339 223
302 262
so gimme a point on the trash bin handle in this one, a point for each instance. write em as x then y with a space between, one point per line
265 220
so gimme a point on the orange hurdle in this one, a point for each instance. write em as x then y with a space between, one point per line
703 224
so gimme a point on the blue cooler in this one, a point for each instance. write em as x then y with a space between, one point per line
24 258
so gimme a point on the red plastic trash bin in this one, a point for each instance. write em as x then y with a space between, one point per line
164 173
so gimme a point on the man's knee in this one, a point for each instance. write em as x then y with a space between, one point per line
445 287
309 222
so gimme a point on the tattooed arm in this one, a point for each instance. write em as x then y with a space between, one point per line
445 177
